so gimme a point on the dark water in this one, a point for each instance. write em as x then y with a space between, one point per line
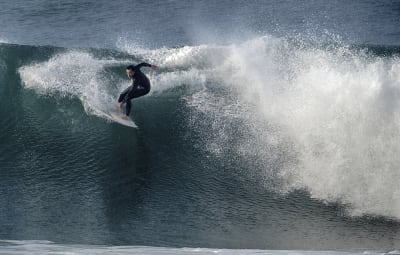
171 23
277 128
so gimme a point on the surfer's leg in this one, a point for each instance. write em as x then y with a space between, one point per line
128 107
124 93
134 94
139 92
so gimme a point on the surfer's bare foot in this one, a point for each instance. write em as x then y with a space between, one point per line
124 117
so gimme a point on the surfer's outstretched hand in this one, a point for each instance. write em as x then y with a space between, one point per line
119 105
154 67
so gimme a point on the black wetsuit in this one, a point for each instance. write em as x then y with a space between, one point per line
140 87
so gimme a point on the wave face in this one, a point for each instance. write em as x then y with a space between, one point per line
239 141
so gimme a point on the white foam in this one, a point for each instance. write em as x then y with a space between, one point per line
46 247
70 74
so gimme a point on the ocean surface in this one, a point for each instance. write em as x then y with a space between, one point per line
272 127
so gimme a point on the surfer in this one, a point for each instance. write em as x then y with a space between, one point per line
140 86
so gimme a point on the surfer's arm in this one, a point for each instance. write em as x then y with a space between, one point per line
143 64
146 64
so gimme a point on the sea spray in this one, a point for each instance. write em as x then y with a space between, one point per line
338 109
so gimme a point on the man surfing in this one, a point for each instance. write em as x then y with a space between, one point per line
140 86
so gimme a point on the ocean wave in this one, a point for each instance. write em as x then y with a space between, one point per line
321 119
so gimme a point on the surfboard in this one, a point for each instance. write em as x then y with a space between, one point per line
118 118
114 115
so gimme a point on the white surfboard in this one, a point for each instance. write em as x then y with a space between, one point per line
119 118
115 115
